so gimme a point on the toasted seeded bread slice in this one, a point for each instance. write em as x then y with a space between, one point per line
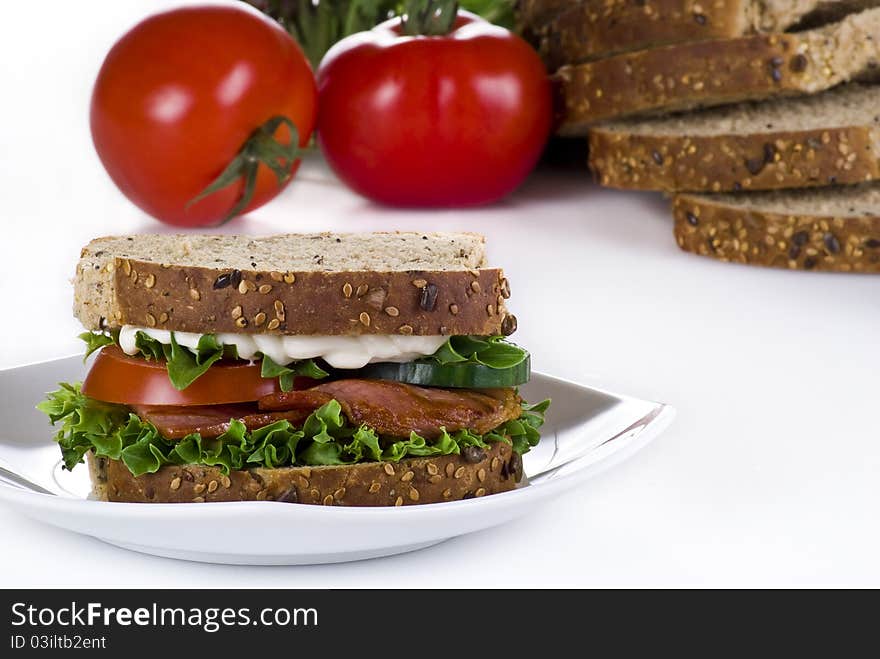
330 284
595 29
706 74
829 138
831 229
533 13
410 481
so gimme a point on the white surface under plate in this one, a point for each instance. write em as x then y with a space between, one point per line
587 431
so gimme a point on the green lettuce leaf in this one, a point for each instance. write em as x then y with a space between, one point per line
87 424
97 340
417 446
522 432
149 347
318 25
185 366
491 351
286 374
325 438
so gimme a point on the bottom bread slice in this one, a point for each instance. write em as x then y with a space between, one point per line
475 473
827 229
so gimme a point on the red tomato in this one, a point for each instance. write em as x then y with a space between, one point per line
179 95
452 120
117 378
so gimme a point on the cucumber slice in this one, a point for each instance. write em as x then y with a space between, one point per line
463 375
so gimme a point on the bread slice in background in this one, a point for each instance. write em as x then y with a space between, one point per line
710 73
595 29
474 473
314 284
825 229
830 138
534 14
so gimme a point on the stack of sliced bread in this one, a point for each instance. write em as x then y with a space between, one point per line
759 117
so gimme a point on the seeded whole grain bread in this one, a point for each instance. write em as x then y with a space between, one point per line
534 13
594 29
828 229
829 138
706 74
475 473
328 284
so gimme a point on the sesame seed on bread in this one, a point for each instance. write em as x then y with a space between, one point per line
327 284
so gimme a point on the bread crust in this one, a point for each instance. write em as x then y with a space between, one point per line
205 300
706 74
740 234
411 481
731 162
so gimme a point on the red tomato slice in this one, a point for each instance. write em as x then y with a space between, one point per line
117 378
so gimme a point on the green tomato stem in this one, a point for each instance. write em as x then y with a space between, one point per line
260 148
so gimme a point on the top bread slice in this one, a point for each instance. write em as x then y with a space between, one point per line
595 29
307 284
705 74
825 139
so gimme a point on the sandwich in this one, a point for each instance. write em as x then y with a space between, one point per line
336 369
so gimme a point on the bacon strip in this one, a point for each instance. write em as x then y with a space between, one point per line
395 409
300 399
211 421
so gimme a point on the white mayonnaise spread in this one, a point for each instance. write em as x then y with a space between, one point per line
338 351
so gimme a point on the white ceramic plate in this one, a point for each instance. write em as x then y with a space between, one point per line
587 431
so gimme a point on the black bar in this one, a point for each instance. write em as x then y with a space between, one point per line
416 623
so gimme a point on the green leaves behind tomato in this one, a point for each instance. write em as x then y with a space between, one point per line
316 26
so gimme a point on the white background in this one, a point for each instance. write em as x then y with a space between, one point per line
769 476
